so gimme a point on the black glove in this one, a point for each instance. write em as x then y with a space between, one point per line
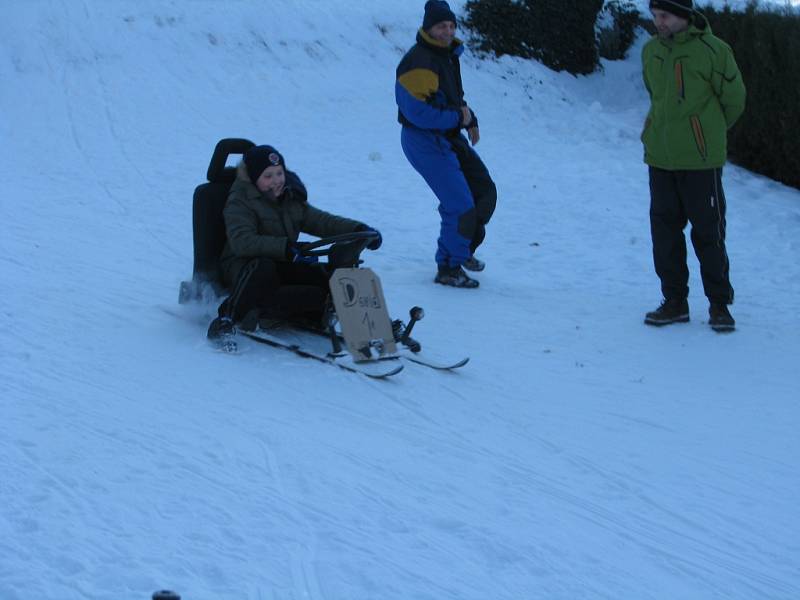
374 243
294 253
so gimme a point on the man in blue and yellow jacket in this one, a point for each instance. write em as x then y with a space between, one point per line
432 111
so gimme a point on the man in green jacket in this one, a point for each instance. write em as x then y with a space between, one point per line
696 94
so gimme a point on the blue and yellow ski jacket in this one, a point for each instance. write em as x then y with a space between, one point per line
428 88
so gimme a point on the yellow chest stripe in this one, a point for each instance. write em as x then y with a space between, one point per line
420 83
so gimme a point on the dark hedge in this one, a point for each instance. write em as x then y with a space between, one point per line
767 48
559 33
615 39
766 43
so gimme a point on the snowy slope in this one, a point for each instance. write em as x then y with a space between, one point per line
579 455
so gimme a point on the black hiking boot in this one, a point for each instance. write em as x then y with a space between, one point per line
474 264
455 277
720 319
670 311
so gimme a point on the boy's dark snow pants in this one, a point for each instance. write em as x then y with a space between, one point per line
697 197
279 289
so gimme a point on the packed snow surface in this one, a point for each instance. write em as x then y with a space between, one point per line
580 454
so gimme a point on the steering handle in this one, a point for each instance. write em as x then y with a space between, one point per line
317 248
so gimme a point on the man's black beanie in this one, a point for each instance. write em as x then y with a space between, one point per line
679 8
437 11
258 158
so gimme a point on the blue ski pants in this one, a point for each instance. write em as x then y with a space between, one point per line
465 190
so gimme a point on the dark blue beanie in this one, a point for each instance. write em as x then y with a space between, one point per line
258 158
437 11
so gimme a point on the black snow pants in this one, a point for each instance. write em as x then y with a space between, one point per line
278 289
697 197
484 192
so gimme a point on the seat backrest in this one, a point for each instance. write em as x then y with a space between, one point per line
208 222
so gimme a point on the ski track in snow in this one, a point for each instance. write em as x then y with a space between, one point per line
578 455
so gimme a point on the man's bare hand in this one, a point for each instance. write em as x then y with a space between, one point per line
474 135
466 116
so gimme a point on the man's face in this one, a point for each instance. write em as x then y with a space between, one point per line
444 32
668 24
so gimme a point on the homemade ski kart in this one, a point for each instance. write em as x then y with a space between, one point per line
356 333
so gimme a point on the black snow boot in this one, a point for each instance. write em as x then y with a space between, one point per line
249 322
720 319
329 318
474 264
260 319
455 277
221 327
670 311
221 332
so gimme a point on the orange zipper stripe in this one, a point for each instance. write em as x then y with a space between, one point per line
699 138
679 81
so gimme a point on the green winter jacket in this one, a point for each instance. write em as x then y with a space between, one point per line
260 227
696 93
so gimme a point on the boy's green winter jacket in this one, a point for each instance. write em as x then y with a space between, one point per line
258 227
696 93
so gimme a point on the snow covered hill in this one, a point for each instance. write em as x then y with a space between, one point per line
580 454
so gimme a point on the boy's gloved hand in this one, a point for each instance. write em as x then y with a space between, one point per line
374 243
294 253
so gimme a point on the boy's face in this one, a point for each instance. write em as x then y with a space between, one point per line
272 180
